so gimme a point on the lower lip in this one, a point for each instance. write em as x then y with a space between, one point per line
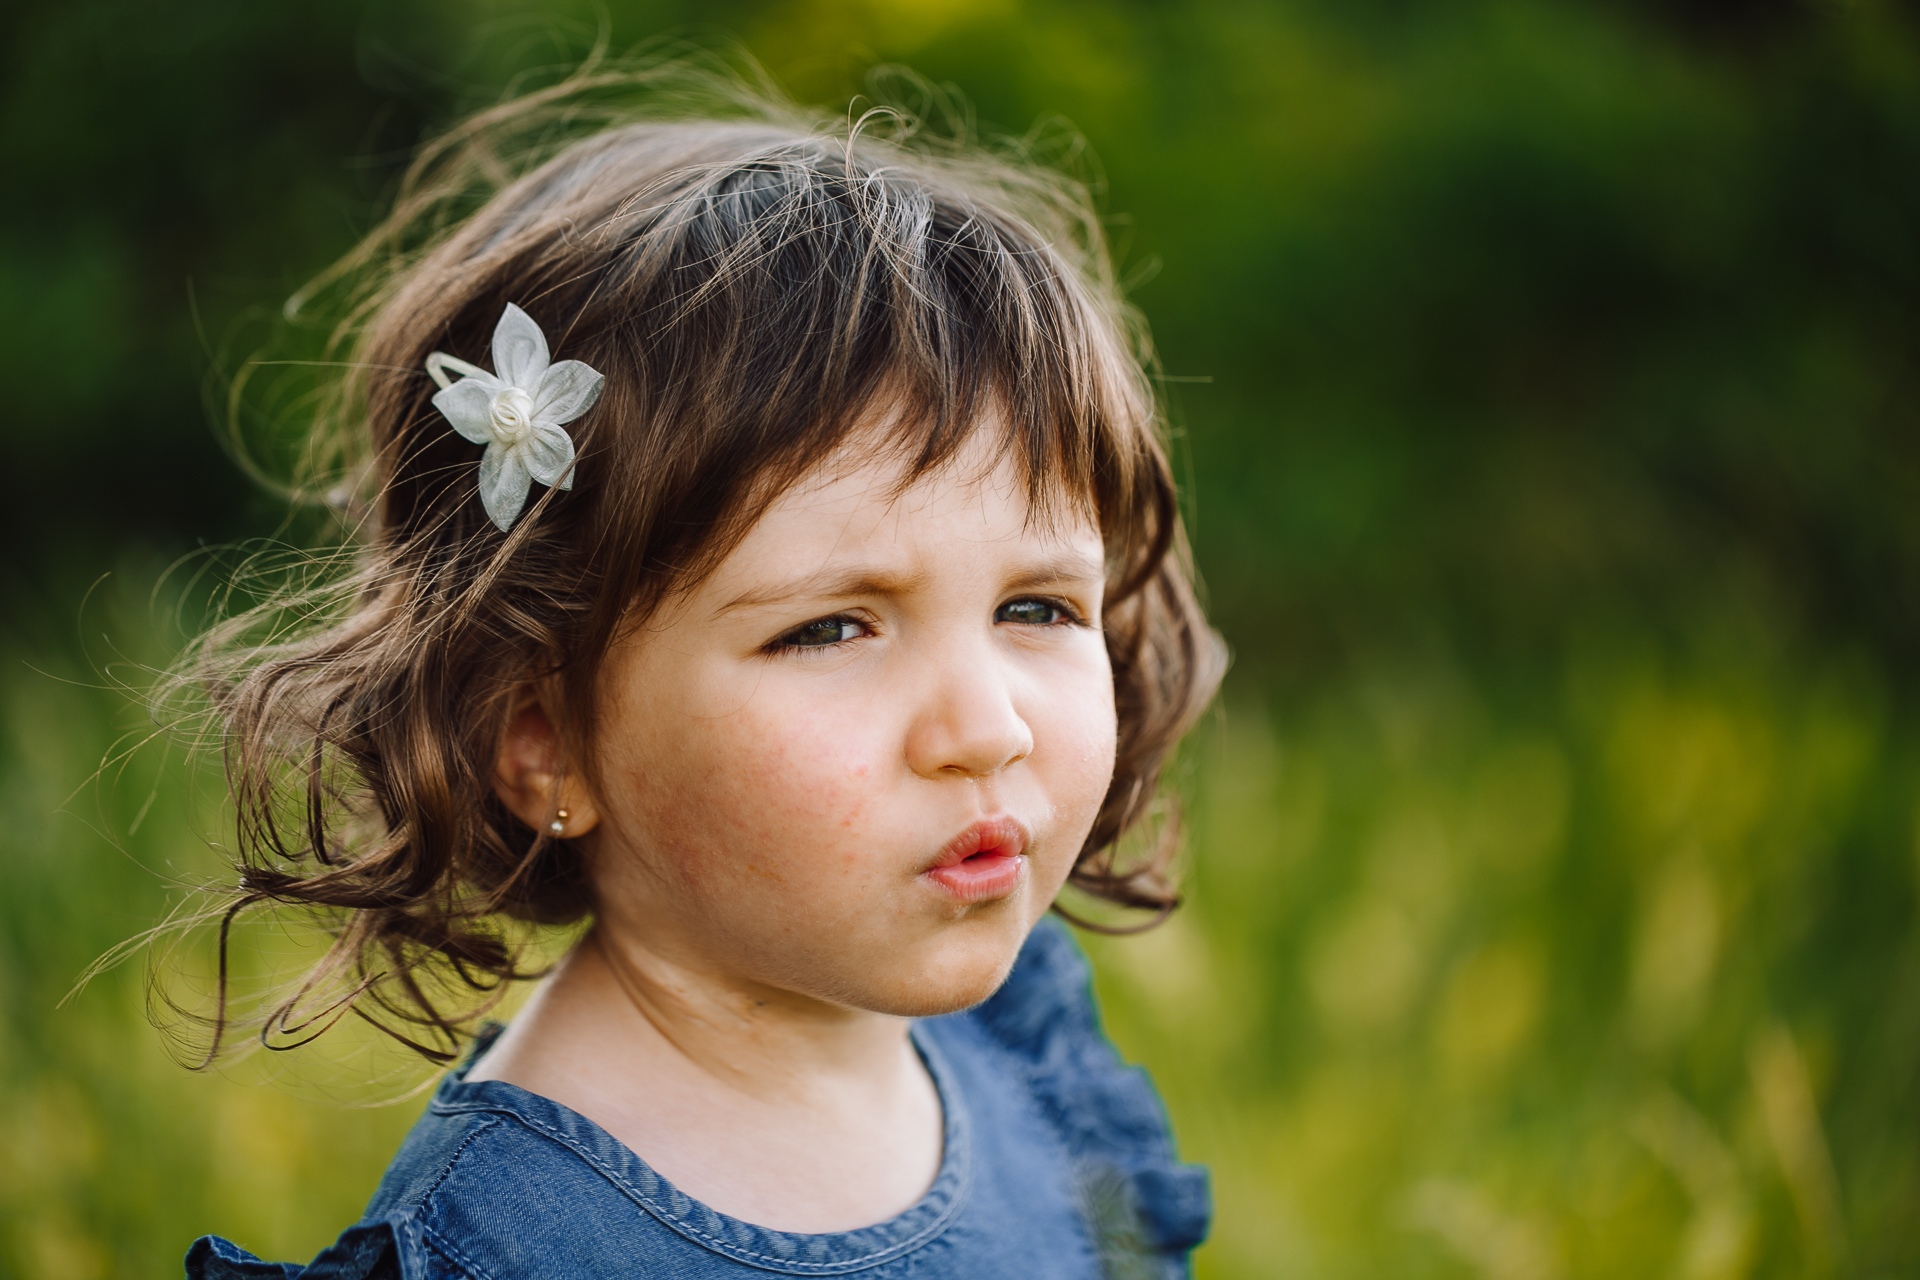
981 878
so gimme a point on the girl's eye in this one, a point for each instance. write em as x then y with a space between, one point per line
1034 613
820 633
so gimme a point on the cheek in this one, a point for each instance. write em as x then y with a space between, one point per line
1075 743
803 778
746 799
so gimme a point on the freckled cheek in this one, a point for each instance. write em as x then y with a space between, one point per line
767 797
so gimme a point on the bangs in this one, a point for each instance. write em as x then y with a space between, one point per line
792 299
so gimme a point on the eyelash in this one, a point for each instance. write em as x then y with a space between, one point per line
1069 617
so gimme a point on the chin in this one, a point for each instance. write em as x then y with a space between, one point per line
951 972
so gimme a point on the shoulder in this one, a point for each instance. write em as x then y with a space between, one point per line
1044 1024
399 1237
485 1187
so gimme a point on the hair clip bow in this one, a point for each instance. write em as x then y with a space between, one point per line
517 412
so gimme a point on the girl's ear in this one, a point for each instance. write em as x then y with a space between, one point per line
529 776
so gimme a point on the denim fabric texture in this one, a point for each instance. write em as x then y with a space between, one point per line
1058 1164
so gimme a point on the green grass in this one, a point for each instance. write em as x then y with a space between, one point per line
1615 978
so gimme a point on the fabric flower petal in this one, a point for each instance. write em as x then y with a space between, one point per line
546 453
466 404
568 390
519 350
503 485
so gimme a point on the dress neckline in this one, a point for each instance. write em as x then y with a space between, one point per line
796 1253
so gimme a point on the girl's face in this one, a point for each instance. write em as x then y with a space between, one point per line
856 762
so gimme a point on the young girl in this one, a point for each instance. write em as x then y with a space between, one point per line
773 563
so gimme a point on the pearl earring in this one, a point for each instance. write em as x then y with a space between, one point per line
559 823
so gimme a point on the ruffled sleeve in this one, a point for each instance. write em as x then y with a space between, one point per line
1106 1113
366 1252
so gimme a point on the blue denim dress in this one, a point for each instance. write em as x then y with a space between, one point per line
1058 1164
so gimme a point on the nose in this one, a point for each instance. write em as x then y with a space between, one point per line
968 724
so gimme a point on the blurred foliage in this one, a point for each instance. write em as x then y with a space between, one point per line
1544 377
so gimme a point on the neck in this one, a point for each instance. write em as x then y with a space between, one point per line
619 1012
792 1112
773 1044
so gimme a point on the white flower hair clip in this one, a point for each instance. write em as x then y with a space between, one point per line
517 412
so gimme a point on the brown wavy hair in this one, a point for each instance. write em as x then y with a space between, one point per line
753 282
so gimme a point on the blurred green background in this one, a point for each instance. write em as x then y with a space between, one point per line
1545 377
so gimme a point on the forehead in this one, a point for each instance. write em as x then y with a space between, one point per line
865 507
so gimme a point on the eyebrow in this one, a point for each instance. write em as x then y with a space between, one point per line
864 581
